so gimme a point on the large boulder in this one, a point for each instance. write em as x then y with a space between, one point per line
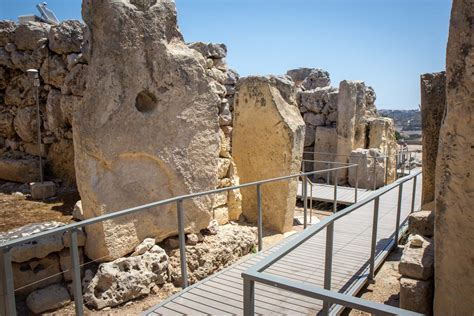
7 32
417 260
61 160
454 220
382 137
416 295
66 37
39 248
422 222
370 172
19 92
268 139
147 129
19 167
25 124
433 106
124 279
54 71
36 273
49 298
6 124
31 35
325 149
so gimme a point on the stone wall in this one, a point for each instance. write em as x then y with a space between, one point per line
454 195
56 51
340 121
433 106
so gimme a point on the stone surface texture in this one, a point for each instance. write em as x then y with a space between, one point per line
124 279
417 260
454 214
268 140
433 106
416 295
155 132
48 298
422 223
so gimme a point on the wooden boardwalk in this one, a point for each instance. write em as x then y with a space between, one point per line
221 293
325 193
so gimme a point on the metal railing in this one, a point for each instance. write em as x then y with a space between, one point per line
256 273
7 294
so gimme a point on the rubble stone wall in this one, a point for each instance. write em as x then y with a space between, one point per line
56 51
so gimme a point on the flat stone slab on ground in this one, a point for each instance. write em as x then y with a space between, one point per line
42 190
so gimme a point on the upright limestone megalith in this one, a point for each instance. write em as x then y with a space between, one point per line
433 105
454 196
268 140
148 128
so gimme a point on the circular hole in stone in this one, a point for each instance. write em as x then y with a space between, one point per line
145 102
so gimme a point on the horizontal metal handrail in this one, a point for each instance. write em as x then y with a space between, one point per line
132 210
256 272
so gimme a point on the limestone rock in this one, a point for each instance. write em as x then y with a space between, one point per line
213 227
66 37
325 149
54 117
7 32
136 137
454 220
214 253
65 262
223 167
275 129
69 103
146 245
36 273
49 298
382 136
6 125
77 212
314 119
370 171
417 262
317 78
81 238
299 75
54 71
75 81
61 161
433 107
39 248
422 222
29 36
19 92
25 124
25 60
416 295
234 198
210 50
18 167
124 279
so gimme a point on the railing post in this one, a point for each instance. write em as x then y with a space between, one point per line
8 304
305 201
249 297
182 243
334 208
399 209
76 272
409 162
259 218
375 173
413 195
311 202
328 173
374 238
396 165
357 181
328 263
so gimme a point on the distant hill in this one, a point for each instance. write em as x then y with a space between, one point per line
405 120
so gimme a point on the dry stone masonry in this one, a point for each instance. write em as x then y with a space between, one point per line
268 142
57 52
340 123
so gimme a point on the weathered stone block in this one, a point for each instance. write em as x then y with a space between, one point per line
42 190
325 149
433 106
422 222
36 273
66 37
370 171
417 262
416 295
18 167
50 298
267 142
136 137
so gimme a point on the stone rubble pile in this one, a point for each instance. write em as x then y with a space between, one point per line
57 53
340 122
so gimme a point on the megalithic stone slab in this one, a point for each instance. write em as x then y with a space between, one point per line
148 127
268 139
454 195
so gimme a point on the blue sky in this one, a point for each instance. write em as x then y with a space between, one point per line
386 43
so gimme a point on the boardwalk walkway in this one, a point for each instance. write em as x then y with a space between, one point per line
325 193
221 294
